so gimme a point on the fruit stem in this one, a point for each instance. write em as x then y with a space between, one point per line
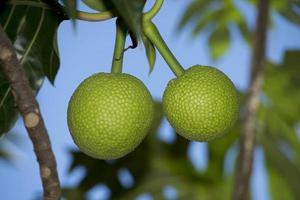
154 10
154 36
121 33
86 16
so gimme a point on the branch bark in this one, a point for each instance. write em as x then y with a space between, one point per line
32 117
247 143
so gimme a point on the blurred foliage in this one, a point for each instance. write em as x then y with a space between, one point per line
218 17
155 164
11 141
287 9
4 154
32 30
278 120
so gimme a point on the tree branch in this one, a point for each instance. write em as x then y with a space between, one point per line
247 144
33 120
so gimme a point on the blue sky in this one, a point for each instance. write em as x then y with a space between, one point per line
89 49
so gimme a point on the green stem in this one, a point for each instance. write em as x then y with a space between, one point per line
154 10
86 16
154 36
117 61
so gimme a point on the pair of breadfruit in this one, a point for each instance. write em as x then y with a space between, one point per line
109 114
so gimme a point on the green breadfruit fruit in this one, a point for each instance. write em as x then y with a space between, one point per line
109 115
202 104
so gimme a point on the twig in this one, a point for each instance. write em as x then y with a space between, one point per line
32 117
245 158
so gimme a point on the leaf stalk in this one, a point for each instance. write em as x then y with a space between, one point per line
152 33
86 16
154 10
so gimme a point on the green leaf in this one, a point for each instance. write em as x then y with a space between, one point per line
288 10
99 5
290 15
218 16
288 170
244 30
72 193
204 22
193 10
217 150
31 26
150 52
281 87
99 171
219 42
71 10
278 117
278 188
131 12
291 59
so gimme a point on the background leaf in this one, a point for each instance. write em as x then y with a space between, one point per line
12 140
32 30
278 118
216 16
219 42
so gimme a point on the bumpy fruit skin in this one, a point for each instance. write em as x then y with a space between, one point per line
201 104
109 115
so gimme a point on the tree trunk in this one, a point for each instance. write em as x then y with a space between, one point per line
247 142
